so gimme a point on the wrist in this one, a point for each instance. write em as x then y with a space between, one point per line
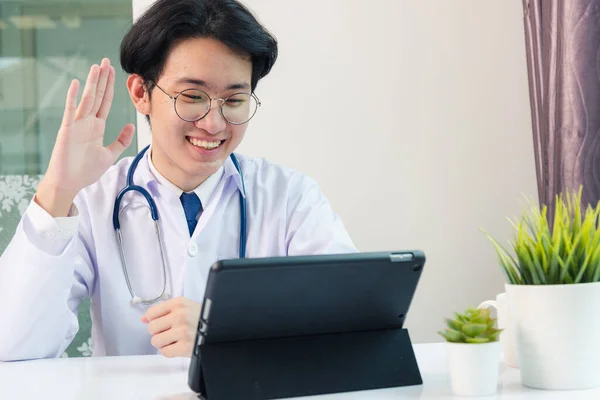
55 201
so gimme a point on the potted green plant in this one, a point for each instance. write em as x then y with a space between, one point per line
553 293
473 352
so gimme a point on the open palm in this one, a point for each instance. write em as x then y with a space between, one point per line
79 157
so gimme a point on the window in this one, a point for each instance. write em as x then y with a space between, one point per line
43 46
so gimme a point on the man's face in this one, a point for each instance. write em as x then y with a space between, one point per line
187 153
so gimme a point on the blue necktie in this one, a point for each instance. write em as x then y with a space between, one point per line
191 206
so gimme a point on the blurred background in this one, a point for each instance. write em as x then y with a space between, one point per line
44 44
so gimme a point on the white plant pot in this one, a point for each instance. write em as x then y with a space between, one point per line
473 368
557 331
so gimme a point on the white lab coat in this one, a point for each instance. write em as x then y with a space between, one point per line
46 270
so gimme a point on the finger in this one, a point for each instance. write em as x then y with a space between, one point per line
166 338
178 349
71 103
101 86
89 92
108 96
161 324
159 310
120 145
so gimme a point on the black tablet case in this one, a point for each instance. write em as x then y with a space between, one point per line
309 325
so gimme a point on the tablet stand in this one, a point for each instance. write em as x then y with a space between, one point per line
305 365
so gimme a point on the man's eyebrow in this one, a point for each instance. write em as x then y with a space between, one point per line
200 82
236 86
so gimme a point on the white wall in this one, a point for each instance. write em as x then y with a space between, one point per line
144 135
414 117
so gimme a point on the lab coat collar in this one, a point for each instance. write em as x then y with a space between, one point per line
144 176
230 171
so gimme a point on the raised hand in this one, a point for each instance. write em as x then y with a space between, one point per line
79 157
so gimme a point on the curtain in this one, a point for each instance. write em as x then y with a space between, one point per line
563 57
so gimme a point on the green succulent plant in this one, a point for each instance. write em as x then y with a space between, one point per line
566 252
472 326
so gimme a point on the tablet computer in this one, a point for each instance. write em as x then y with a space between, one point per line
259 298
283 297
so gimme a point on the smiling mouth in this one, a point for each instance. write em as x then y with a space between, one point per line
208 145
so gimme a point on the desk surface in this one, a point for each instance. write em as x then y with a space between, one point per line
159 378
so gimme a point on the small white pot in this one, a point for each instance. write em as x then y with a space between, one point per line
557 331
473 368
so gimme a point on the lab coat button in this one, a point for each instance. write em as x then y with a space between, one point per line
193 250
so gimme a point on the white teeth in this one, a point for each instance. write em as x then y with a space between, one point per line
204 144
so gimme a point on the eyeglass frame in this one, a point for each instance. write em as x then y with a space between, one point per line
210 100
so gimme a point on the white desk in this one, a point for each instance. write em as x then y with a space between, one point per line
159 378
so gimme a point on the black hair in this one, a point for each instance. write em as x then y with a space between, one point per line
145 48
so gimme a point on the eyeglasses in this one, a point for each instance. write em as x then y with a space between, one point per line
192 105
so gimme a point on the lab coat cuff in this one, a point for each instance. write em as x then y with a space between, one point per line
49 234
67 226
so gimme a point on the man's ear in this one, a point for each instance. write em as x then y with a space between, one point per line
139 94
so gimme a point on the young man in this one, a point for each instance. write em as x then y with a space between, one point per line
194 66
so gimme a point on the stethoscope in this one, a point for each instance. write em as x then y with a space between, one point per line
130 187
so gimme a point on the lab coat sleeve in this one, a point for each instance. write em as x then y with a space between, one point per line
44 273
313 226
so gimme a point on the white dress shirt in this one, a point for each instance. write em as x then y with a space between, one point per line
204 191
